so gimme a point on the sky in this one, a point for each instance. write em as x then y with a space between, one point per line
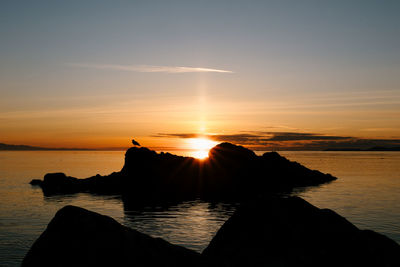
265 74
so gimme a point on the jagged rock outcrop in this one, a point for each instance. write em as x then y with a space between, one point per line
230 172
78 237
292 232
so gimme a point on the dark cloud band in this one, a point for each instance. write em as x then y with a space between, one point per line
294 140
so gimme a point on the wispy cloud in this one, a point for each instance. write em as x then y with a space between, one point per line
147 68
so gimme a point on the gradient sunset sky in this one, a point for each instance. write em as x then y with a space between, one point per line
258 73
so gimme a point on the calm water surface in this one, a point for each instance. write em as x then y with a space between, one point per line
367 193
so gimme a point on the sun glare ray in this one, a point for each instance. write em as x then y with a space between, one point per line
200 146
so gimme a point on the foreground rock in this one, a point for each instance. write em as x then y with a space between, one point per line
273 232
230 172
78 237
292 232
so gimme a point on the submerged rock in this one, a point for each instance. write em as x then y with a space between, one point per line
292 232
230 172
78 237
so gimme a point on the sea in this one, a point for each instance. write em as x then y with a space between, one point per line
367 193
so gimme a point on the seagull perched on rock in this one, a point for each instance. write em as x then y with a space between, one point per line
135 143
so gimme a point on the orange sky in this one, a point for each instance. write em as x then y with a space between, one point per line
101 76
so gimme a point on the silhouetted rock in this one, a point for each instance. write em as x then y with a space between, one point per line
295 174
230 152
271 232
78 237
59 182
292 232
36 182
230 172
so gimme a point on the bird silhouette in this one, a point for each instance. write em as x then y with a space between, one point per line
135 143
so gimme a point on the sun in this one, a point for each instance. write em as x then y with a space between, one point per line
200 146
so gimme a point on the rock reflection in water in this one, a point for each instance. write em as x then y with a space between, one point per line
191 224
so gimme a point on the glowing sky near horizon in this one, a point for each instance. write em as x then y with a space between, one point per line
99 73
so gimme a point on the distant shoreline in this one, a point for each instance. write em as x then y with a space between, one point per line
378 149
7 147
